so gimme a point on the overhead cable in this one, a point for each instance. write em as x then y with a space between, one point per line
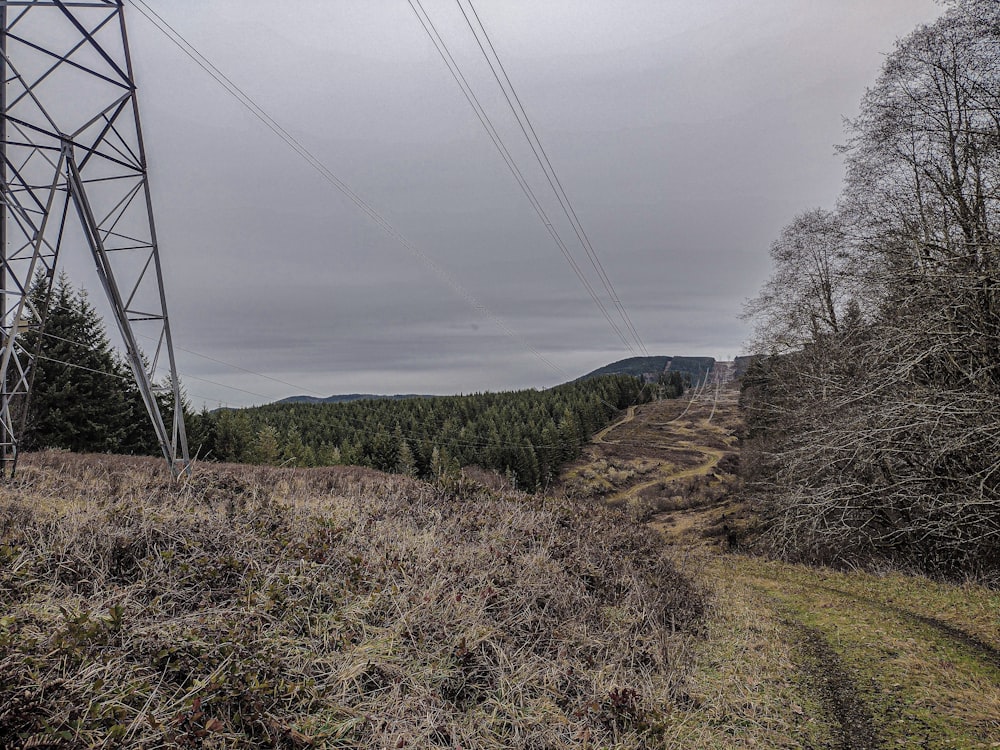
470 96
521 115
258 112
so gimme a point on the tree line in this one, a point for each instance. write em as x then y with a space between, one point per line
85 399
526 435
873 418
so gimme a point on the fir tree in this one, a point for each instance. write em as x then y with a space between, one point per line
79 400
265 448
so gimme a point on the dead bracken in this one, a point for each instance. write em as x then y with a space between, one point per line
331 607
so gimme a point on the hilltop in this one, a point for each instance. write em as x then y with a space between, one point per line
345 398
651 368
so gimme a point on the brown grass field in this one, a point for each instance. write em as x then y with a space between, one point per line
260 607
343 608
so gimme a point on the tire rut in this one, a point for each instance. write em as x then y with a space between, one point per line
983 650
854 727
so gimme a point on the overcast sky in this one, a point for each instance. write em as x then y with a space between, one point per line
685 133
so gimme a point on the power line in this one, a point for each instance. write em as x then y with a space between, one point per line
75 366
257 111
47 334
105 373
543 160
250 372
199 59
470 96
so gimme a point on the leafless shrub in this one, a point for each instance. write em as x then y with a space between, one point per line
877 433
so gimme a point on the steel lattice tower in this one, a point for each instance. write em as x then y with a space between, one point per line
72 157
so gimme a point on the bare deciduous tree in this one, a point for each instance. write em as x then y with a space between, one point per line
807 292
879 436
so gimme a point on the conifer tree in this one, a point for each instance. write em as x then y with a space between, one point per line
79 399
265 448
233 436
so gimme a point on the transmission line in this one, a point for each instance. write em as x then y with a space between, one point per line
543 160
354 422
313 161
470 96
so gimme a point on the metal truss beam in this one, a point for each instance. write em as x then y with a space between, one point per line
70 135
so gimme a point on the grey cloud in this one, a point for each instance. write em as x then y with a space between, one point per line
685 133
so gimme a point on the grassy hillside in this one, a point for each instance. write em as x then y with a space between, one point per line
794 656
261 607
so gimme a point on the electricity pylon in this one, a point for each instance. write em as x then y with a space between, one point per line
71 144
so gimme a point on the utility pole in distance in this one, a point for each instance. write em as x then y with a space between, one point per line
72 159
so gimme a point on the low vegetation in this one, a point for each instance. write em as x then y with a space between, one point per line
799 656
336 607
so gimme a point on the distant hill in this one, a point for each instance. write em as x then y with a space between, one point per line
647 368
650 368
344 398
636 366
696 367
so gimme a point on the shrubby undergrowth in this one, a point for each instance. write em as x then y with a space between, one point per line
874 421
327 607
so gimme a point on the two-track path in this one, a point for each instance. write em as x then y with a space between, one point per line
797 656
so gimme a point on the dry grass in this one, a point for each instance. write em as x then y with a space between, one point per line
804 657
748 689
329 608
607 475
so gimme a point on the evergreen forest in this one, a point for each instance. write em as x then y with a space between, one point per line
526 435
84 399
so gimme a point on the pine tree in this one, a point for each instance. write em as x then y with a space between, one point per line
201 432
234 436
327 455
294 451
79 399
265 448
405 463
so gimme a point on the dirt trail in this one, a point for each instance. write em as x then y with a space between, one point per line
837 690
670 475
835 660
977 646
660 445
629 416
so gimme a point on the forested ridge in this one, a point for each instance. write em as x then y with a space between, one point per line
525 434
873 420
84 399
